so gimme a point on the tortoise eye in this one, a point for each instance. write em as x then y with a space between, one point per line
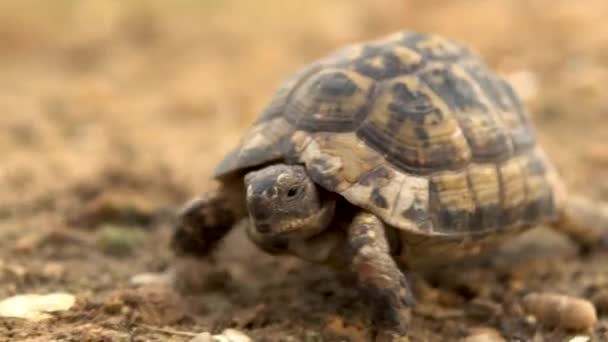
292 192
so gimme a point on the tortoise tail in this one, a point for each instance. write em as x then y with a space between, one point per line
584 221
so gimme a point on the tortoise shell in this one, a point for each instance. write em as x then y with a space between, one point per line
414 128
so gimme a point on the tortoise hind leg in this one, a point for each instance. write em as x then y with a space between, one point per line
379 277
585 222
206 219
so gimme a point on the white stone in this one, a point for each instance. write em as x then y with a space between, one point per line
580 338
236 336
35 307
151 278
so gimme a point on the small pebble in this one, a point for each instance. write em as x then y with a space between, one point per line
483 334
234 335
562 311
53 270
580 339
35 307
228 335
202 337
484 308
152 278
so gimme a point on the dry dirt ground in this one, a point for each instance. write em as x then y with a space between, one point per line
113 113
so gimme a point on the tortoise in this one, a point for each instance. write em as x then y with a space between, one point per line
394 154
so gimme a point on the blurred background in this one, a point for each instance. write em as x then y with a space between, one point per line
114 112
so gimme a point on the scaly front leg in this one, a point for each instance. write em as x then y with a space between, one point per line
205 220
379 277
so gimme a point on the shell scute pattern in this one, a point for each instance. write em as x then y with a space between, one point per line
451 201
332 100
432 46
379 60
539 190
513 190
486 192
509 108
412 128
382 62
415 129
266 142
477 118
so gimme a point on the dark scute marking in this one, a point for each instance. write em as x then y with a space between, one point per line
485 217
539 210
510 216
457 92
369 70
411 105
406 157
489 85
419 216
384 144
453 220
329 125
391 67
335 85
324 179
372 50
460 96
371 177
378 200
322 104
415 109
497 149
445 218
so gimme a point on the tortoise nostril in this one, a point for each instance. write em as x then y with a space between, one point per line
263 228
270 192
259 210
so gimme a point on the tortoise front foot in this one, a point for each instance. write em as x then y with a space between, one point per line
204 221
379 277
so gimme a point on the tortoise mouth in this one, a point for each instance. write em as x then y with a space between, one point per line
296 227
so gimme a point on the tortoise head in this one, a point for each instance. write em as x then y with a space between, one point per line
282 200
